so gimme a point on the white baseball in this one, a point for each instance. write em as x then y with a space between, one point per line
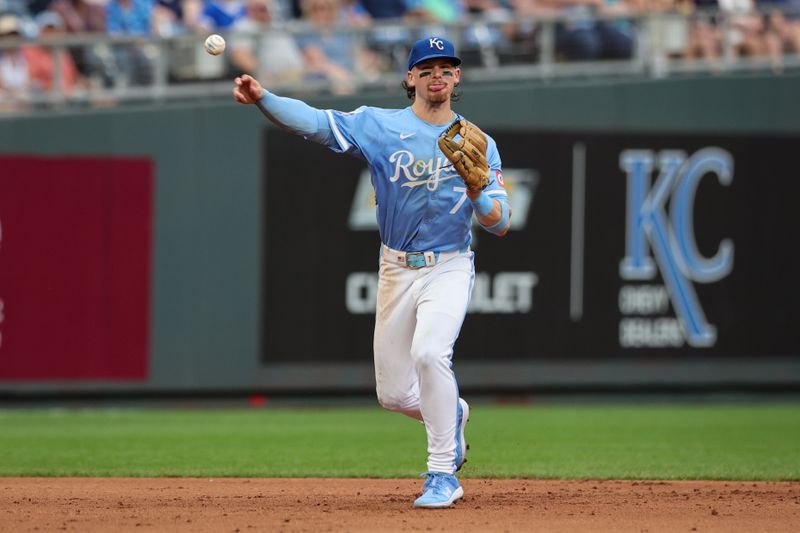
215 44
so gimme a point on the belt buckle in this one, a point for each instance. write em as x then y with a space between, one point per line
415 260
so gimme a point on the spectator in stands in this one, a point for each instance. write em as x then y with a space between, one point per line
526 25
260 44
524 39
533 8
748 27
432 17
391 41
353 13
14 78
705 36
168 18
734 23
284 10
94 62
441 11
81 16
413 10
134 61
584 37
331 54
498 11
385 9
485 7
783 20
46 64
490 35
34 7
129 17
220 14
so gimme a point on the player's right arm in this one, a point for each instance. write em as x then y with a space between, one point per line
491 205
289 114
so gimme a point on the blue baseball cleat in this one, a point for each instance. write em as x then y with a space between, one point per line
461 443
439 490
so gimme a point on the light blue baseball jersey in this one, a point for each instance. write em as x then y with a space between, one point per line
421 200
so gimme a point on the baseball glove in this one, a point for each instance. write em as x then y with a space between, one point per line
468 154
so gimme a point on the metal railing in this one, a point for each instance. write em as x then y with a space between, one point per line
178 68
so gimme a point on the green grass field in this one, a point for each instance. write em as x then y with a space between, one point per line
759 442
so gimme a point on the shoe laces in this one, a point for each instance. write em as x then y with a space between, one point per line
434 480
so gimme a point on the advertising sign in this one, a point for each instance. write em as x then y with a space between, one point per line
75 255
622 245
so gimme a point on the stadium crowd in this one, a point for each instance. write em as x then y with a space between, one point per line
290 41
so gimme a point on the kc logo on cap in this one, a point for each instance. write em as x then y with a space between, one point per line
435 41
432 48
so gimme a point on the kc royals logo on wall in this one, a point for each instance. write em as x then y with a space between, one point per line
660 240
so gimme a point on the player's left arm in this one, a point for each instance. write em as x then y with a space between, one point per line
491 205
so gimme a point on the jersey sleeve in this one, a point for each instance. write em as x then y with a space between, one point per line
496 187
344 126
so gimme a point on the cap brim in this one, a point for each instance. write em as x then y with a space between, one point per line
456 61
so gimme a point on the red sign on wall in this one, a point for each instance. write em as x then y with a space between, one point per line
75 259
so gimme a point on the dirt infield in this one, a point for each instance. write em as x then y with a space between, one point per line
242 505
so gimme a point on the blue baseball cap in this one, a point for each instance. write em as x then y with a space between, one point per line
430 48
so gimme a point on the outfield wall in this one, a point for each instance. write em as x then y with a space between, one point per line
685 283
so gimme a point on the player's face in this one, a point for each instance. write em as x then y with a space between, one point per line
434 80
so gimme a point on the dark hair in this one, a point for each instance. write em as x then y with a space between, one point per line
411 92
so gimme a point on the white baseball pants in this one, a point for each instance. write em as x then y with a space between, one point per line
418 318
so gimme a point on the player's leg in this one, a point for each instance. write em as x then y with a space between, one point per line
441 308
396 380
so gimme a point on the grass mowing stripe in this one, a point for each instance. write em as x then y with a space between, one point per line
759 442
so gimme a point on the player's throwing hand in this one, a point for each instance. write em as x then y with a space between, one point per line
247 90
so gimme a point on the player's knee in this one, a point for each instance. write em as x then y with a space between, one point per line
426 357
389 401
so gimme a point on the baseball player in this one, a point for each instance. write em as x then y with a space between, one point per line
431 170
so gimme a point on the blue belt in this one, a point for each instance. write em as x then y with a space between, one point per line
416 260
